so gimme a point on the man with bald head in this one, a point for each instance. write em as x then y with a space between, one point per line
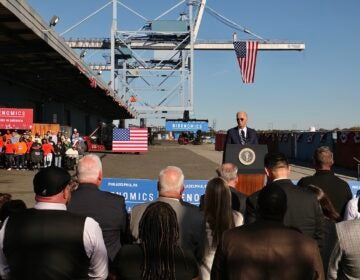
106 208
241 134
190 219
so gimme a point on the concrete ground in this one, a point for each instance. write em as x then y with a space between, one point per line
198 162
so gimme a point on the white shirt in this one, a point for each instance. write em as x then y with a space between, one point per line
351 211
93 243
245 131
209 251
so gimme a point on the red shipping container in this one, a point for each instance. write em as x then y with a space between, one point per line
219 141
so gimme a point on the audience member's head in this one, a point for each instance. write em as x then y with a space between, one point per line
228 171
11 207
327 207
171 182
323 158
276 166
159 235
217 208
4 197
89 170
272 203
52 184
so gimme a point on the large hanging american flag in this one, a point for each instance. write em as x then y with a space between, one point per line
246 54
131 140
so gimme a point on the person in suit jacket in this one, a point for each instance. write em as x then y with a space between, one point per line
106 208
190 219
303 211
337 189
241 134
228 172
266 249
345 258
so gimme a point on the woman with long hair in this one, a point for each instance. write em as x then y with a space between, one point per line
331 216
219 217
158 256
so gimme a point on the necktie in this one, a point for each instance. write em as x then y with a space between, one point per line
242 137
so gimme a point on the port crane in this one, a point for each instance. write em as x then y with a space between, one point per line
152 68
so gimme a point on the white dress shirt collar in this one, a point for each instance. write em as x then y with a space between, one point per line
244 129
49 206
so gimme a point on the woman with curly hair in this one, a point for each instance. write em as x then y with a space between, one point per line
158 256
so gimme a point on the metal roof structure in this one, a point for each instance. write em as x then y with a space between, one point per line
34 56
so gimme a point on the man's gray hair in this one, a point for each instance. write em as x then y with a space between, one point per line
323 157
228 171
88 168
171 178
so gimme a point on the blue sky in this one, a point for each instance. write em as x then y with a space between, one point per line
293 90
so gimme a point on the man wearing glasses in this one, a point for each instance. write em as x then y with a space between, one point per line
241 134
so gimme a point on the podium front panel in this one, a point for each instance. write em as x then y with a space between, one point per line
248 158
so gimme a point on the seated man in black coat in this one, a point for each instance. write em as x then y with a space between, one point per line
303 211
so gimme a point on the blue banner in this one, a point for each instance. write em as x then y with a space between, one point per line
191 126
137 191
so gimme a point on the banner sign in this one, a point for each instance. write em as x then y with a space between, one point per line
354 187
15 118
187 126
137 191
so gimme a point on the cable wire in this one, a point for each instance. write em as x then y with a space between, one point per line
231 23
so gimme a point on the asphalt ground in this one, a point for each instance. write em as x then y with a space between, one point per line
198 162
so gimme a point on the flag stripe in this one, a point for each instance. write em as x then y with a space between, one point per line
130 140
246 53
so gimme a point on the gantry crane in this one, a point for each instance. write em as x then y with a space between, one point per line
159 81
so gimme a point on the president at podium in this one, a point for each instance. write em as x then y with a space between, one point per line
241 134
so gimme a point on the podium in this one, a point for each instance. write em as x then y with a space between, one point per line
249 160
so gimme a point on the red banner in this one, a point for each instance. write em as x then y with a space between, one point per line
15 118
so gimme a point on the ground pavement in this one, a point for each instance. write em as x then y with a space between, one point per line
198 162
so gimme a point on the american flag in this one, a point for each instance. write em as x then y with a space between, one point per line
246 55
130 140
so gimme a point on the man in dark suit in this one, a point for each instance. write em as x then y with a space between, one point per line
228 172
190 219
337 189
241 134
106 208
266 249
303 211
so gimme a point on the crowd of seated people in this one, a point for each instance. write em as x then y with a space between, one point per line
168 238
26 151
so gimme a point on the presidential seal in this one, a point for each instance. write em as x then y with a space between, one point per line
247 156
